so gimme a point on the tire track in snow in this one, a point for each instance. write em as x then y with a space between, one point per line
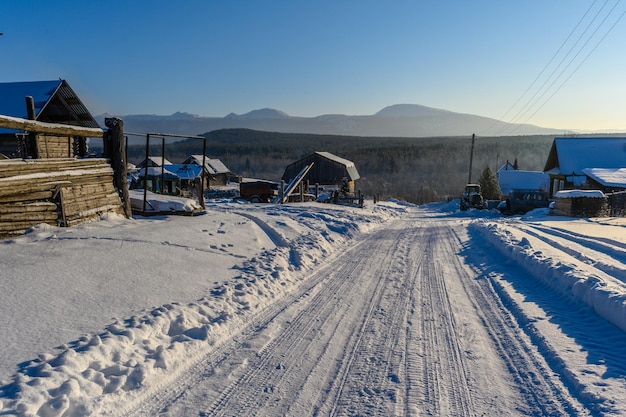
543 394
163 399
264 379
372 380
375 332
444 379
272 382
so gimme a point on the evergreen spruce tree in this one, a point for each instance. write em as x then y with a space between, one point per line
489 185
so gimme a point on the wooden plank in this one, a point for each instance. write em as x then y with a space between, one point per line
94 213
26 208
75 207
52 128
36 217
28 197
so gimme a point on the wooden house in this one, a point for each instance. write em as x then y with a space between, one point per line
214 169
328 170
44 101
571 159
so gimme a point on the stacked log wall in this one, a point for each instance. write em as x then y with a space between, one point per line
59 192
581 207
49 146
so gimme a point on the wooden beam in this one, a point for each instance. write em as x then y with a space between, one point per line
9 122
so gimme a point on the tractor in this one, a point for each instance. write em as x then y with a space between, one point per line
472 198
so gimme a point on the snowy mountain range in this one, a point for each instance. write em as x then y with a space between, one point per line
400 120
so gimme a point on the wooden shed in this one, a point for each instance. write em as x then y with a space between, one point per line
328 170
43 101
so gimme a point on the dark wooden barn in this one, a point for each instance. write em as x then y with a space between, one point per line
44 101
328 170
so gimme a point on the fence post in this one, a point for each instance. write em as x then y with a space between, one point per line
118 162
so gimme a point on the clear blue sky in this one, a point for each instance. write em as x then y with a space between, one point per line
306 58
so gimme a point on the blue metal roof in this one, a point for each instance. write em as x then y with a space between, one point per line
55 102
13 101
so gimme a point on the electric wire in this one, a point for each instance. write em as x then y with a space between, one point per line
541 90
533 100
545 91
532 84
531 104
575 69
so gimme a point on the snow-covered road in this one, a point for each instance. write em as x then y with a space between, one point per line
427 311
405 322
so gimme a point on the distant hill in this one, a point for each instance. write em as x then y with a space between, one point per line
400 120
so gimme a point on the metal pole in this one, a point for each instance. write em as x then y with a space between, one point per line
203 175
469 179
162 165
145 175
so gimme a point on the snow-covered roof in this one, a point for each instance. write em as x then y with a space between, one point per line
579 193
336 158
609 177
572 155
523 180
212 165
217 166
155 161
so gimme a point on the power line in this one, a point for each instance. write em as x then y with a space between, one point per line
549 62
533 101
577 67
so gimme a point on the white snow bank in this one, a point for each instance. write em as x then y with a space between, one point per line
606 300
104 371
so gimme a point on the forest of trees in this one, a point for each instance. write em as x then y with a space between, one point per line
417 170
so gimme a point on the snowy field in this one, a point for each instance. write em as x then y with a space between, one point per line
310 309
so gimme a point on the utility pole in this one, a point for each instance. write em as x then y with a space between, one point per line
469 179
